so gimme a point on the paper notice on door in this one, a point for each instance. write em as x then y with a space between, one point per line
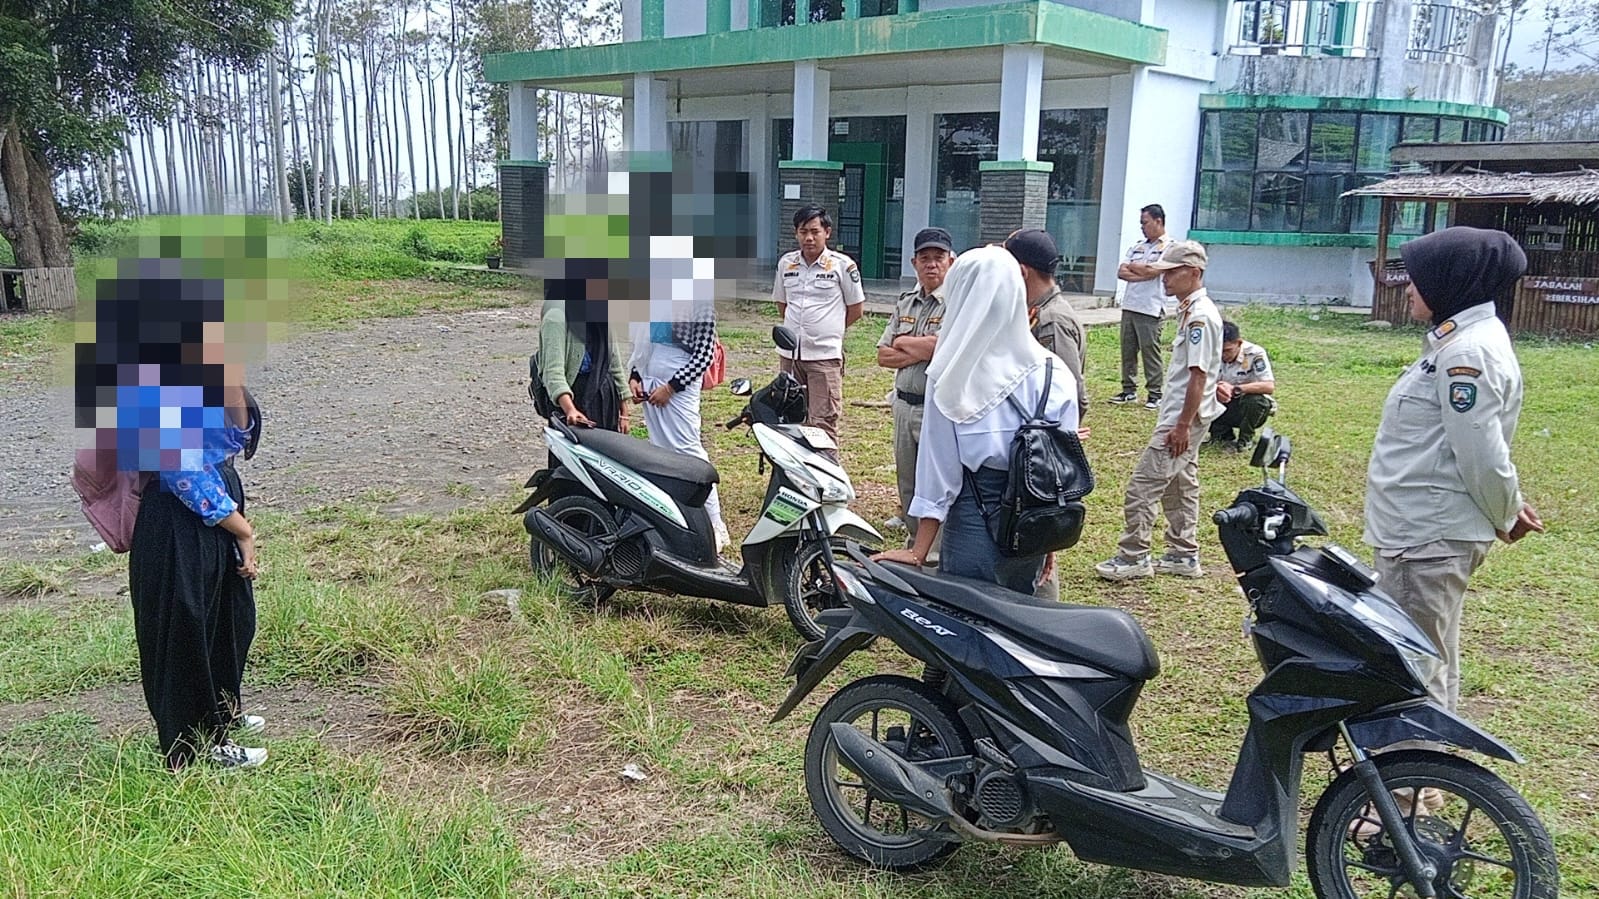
899 189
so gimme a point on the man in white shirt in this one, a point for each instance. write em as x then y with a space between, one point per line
818 293
1167 474
1143 304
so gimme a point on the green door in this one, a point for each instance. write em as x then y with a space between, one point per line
859 225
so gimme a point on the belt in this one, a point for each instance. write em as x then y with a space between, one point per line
914 399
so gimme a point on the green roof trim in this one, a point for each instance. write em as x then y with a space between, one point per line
1015 165
523 163
1281 239
812 164
1027 22
1354 104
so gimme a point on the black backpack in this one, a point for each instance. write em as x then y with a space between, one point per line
1039 511
542 404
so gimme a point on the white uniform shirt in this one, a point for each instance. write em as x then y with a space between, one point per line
1197 345
948 449
816 294
1440 467
1146 297
1251 366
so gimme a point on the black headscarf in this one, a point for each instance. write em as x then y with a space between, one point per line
1457 268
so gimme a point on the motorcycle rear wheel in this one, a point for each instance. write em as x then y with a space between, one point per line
1483 837
586 516
913 720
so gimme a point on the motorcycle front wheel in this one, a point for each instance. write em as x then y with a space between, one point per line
919 724
1484 839
590 518
806 585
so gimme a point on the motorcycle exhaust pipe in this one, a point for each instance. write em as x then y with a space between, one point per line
897 780
574 547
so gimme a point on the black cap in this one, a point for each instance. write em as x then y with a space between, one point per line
933 237
1035 249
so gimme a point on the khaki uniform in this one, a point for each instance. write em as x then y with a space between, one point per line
1441 481
1158 478
915 315
815 295
1055 326
1247 411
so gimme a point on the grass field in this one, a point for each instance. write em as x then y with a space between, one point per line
489 740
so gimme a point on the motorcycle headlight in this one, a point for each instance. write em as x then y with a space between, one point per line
852 585
835 491
1393 625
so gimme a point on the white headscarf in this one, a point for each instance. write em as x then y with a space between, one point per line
984 345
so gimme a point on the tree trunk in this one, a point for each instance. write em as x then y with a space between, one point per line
29 218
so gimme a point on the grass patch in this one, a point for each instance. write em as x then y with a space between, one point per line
105 819
27 580
46 652
476 703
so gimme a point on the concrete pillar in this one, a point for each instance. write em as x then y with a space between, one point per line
1021 87
812 92
1015 195
1393 44
524 124
920 140
522 204
758 140
649 114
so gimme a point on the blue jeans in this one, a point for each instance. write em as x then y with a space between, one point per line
967 548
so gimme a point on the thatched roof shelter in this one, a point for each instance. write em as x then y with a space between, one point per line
1577 188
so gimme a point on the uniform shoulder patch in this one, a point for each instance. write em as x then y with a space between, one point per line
1196 333
1465 371
1260 364
1445 329
854 273
1462 396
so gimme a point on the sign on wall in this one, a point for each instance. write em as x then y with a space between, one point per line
1564 290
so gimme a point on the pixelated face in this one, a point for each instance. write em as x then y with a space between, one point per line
1151 226
1419 310
1180 281
932 266
812 237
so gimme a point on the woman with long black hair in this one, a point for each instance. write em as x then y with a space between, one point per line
183 413
577 355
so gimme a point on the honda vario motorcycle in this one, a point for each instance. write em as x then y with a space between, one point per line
1018 733
613 511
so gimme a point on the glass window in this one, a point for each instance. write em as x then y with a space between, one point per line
879 8
1282 144
1223 201
1326 211
1421 127
1451 131
1332 142
1279 198
1473 131
786 12
1073 141
964 141
1229 141
1378 134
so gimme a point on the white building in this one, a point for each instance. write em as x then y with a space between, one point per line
1245 120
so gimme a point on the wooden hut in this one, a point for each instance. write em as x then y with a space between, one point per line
1544 195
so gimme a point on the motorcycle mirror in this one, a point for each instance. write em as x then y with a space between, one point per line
1260 458
784 338
1282 450
740 387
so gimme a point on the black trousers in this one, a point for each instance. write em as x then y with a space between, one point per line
194 619
1247 412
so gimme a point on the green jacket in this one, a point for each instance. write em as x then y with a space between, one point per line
561 354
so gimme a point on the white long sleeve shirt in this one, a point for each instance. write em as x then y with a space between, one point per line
948 449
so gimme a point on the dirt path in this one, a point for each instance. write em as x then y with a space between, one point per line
422 414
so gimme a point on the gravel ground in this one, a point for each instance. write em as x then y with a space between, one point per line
422 414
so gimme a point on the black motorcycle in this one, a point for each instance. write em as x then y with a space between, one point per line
1018 732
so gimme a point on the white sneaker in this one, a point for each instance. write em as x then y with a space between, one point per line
1120 568
722 537
249 725
1179 566
232 755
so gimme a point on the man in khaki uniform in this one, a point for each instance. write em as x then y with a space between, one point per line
818 292
907 346
1167 473
1244 391
1050 315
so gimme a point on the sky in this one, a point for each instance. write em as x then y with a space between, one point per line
1527 41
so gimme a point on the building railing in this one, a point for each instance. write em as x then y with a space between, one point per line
1439 32
1443 32
1307 27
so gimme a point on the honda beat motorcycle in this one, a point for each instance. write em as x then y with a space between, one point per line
613 511
1018 733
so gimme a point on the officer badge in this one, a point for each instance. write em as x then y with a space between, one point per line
855 274
1462 396
1195 335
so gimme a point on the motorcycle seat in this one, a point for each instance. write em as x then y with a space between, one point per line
1105 638
685 478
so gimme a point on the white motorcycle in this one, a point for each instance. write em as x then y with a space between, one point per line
615 512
